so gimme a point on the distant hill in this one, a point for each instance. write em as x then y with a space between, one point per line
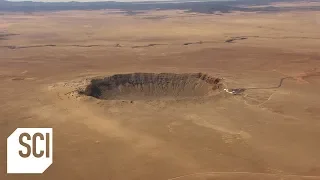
196 6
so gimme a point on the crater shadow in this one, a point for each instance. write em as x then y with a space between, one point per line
152 86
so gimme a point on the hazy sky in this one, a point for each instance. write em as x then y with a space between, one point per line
107 0
92 0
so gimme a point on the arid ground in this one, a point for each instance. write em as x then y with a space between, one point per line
270 131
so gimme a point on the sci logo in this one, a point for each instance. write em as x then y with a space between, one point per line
29 150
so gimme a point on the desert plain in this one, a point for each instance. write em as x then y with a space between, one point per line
270 131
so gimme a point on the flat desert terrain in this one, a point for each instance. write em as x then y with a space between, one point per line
149 130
